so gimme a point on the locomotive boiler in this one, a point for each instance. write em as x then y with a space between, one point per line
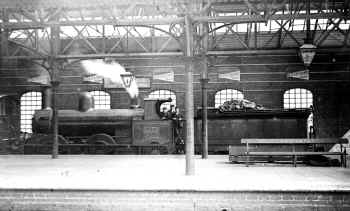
108 130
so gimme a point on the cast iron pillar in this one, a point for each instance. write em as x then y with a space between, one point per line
47 98
189 98
204 83
204 33
54 120
55 67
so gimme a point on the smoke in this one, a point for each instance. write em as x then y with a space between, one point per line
113 71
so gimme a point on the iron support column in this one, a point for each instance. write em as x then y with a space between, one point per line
54 120
189 98
47 99
204 82
204 33
54 68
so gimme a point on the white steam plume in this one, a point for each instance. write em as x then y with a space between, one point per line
111 70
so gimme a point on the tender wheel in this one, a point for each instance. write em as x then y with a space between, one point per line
101 139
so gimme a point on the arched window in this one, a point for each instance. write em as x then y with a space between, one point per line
30 102
102 100
226 95
297 98
161 94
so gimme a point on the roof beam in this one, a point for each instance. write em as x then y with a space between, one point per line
259 18
170 20
220 4
121 22
292 51
34 4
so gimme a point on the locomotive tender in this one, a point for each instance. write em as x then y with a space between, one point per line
228 128
141 130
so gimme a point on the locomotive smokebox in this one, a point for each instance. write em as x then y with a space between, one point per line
86 102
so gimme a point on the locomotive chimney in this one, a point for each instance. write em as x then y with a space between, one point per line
86 102
134 103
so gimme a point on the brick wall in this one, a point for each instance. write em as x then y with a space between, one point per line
173 200
263 80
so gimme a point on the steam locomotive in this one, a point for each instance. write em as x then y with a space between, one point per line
104 131
141 130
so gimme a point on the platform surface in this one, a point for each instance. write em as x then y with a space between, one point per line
158 172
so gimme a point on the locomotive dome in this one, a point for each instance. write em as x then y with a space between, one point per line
86 101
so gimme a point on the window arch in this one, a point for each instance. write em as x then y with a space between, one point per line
30 102
102 100
297 98
226 95
163 94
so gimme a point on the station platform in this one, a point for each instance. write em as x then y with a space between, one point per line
158 182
